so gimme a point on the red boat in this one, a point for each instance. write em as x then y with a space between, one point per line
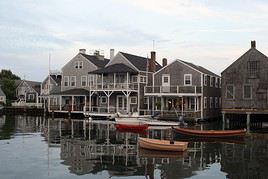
139 126
211 133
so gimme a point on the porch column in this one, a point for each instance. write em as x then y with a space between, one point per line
48 104
127 103
108 102
89 102
102 81
72 103
182 105
195 104
85 105
127 80
114 79
60 102
162 103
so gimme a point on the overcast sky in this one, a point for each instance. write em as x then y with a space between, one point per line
210 33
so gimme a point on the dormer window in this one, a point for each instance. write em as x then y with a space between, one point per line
187 79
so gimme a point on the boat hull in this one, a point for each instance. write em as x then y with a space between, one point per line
210 133
131 126
162 145
150 122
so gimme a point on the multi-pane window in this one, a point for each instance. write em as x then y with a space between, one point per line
253 67
216 82
143 79
165 79
103 100
83 81
212 81
73 81
211 102
247 92
92 80
230 91
216 102
66 80
187 79
205 80
205 102
133 100
135 79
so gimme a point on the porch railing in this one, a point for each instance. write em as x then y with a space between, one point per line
114 86
173 89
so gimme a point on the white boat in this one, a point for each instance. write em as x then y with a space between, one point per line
146 119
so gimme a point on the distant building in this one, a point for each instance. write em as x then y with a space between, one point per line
28 91
2 97
186 89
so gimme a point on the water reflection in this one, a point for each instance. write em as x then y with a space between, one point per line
87 147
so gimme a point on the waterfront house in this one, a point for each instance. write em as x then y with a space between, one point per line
119 86
27 92
2 97
74 92
51 84
185 89
245 85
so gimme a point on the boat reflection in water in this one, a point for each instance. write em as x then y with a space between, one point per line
90 149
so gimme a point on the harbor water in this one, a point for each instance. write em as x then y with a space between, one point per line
37 147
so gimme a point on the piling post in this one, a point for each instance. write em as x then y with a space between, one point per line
248 121
223 120
52 115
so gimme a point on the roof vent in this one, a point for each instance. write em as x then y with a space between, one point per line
83 51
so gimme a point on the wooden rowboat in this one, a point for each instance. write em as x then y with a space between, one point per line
211 133
162 145
131 126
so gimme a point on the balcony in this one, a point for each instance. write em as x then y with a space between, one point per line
114 86
173 90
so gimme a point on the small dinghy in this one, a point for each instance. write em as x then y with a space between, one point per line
210 133
162 145
135 126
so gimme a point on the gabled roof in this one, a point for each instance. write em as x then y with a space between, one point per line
115 68
200 68
252 53
95 60
1 92
34 84
139 62
56 78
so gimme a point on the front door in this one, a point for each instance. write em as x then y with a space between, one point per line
121 104
165 83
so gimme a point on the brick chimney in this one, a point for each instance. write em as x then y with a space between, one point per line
253 44
164 62
82 50
152 62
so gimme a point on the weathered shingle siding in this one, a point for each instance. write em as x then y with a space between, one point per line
237 75
70 70
176 70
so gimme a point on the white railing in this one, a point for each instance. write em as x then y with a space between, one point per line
114 86
23 104
173 89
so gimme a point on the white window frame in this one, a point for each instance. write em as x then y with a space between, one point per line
216 82
143 79
72 77
211 102
205 80
191 79
64 80
226 95
85 77
219 82
101 100
135 98
205 102
211 81
80 63
216 103
163 79
134 79
244 91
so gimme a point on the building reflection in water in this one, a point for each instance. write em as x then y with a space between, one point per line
92 147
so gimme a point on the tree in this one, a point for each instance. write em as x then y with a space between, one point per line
7 83
8 75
